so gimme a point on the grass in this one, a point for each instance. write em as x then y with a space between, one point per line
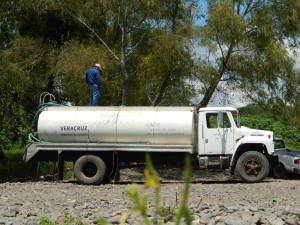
70 220
167 210
16 171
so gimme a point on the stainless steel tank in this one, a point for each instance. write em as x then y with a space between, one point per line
149 125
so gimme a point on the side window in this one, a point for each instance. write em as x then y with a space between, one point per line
212 120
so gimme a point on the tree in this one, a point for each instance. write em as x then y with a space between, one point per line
247 43
123 17
166 69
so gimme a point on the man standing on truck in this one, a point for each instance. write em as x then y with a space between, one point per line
93 79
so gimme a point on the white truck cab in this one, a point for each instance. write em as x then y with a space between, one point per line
222 142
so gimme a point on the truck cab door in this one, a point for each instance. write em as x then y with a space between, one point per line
218 133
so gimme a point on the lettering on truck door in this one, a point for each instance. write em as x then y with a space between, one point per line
218 140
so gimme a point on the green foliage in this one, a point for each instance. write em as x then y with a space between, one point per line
14 170
46 220
148 55
70 220
274 108
166 67
14 118
167 210
223 209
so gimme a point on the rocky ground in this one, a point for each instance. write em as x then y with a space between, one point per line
215 198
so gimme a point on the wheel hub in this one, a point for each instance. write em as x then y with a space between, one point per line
252 167
89 169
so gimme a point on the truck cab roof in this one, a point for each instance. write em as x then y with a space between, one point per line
218 109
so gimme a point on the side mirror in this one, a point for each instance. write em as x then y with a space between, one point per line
220 119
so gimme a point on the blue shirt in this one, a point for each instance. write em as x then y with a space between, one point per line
92 76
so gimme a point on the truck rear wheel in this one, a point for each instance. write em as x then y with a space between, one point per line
90 169
252 167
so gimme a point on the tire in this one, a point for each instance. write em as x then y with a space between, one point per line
252 167
279 172
90 170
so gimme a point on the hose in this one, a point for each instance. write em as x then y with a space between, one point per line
31 137
41 107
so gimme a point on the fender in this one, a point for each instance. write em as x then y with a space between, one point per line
244 147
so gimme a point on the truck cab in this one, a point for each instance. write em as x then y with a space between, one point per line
222 142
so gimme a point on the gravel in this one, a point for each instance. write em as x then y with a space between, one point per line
214 198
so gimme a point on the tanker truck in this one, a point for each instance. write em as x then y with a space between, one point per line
97 139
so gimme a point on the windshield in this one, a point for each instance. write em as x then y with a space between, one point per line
236 117
279 144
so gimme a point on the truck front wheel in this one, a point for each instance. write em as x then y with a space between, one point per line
252 167
90 169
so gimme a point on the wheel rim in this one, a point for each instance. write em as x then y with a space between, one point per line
252 167
89 169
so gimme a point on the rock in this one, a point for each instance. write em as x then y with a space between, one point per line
232 222
10 214
271 218
219 219
61 220
102 214
234 208
253 209
17 221
114 220
203 220
30 222
255 219
151 214
212 203
246 217
286 210
290 222
170 223
278 221
169 218
196 222
84 206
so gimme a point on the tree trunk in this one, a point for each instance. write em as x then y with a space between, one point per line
125 91
123 67
162 90
2 157
167 78
207 96
125 83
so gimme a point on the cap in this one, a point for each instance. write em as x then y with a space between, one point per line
98 65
